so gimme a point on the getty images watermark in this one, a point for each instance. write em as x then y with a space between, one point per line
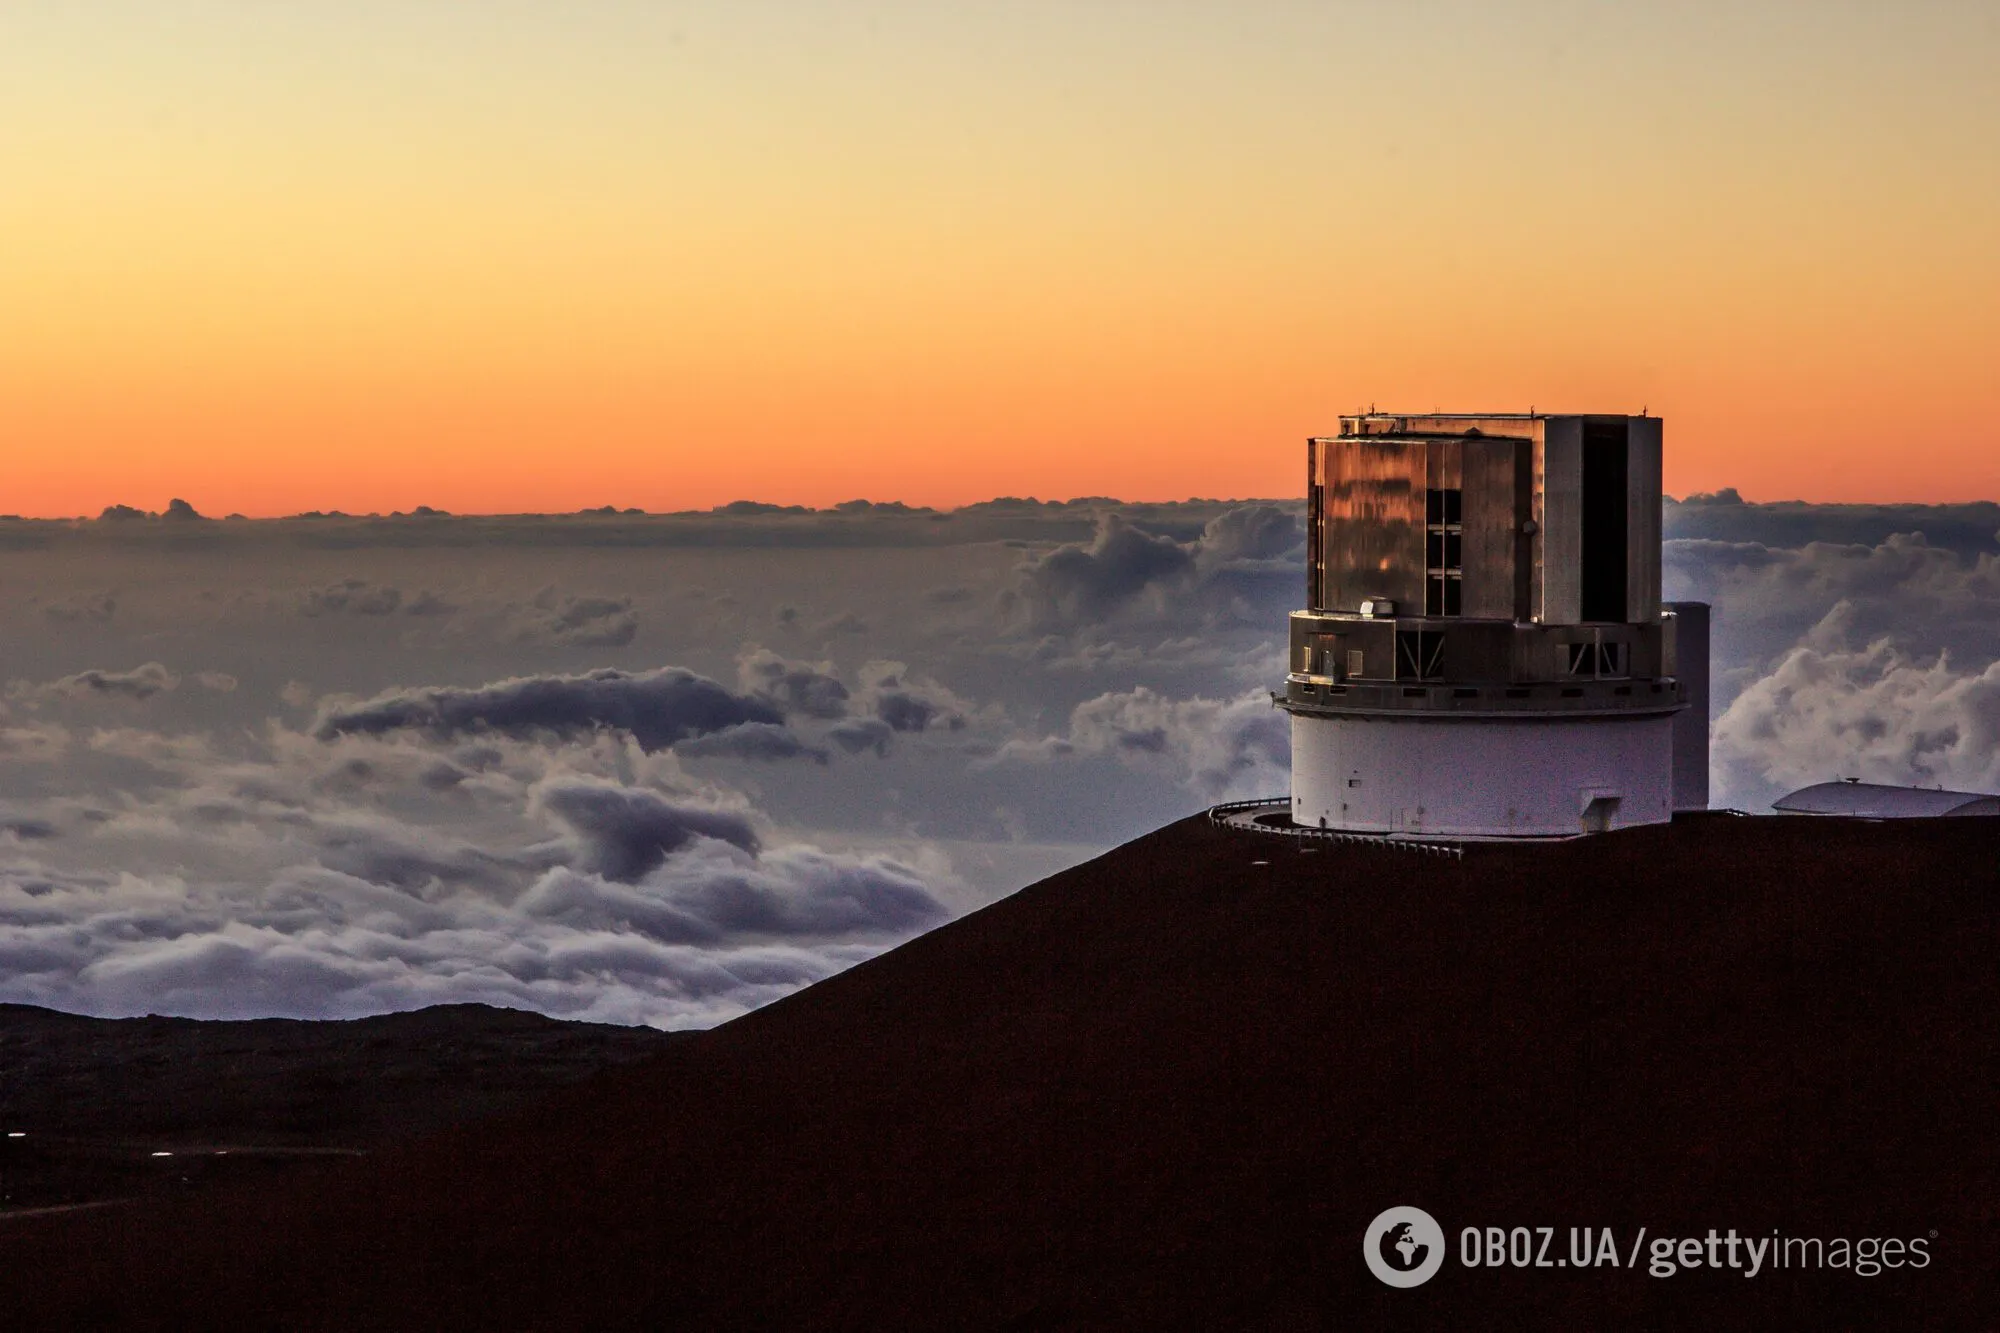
1405 1247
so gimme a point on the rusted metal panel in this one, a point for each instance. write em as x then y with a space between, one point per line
1374 531
1642 519
1517 425
1529 493
1441 463
1559 518
1493 515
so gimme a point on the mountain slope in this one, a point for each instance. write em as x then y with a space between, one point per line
1172 1086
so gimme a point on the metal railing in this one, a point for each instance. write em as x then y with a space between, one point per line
1220 816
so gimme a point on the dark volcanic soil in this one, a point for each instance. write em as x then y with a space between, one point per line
93 1100
1170 1088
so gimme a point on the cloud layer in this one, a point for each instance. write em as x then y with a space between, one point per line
667 767
537 877
657 707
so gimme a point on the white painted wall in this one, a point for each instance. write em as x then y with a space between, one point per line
1513 777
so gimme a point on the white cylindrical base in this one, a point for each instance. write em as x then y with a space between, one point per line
1523 777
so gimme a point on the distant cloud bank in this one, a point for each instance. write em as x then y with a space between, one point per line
666 768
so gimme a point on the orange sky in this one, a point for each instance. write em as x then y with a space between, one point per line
371 255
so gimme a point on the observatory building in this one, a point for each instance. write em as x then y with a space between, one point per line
1483 651
1872 800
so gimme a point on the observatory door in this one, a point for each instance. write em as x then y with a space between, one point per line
1605 469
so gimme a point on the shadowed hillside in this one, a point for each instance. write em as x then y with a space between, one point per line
1172 1086
94 1105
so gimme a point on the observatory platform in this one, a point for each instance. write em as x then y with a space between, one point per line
1483 650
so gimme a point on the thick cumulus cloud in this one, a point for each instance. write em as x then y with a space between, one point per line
1239 568
623 833
908 703
810 688
1082 583
1904 588
1017 679
1876 713
888 698
711 934
1220 748
1842 658
649 904
717 892
657 708
1254 533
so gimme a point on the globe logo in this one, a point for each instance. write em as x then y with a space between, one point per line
1404 1247
1403 1237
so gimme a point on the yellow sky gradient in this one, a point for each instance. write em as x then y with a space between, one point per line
515 256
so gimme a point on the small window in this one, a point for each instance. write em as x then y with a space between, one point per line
1354 662
1444 552
1445 595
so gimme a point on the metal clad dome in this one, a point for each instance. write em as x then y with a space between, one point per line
1869 800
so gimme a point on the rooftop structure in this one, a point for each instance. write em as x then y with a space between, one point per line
1483 651
1868 800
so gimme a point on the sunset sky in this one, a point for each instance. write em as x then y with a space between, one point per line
505 257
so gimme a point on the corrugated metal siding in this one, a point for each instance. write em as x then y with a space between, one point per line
1374 537
1689 662
1492 535
1642 520
1559 543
